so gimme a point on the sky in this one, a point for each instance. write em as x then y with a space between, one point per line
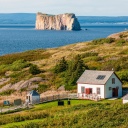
79 7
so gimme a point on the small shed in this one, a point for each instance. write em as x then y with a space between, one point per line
125 99
33 97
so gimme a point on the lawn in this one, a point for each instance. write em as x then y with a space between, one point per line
81 113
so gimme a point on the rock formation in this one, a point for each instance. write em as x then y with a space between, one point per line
67 21
22 84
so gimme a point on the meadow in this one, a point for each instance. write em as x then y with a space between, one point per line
81 113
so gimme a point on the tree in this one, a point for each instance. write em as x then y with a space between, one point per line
62 66
75 69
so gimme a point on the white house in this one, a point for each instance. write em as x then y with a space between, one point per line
94 84
33 97
125 99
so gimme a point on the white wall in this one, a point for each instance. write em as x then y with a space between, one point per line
108 93
94 88
125 101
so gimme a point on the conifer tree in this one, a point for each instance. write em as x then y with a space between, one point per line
76 68
62 66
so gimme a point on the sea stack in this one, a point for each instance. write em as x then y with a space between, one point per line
67 21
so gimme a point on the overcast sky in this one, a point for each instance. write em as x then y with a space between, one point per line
79 7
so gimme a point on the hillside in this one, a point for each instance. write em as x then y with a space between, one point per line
80 114
17 75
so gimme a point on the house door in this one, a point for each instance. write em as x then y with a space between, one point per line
88 90
115 92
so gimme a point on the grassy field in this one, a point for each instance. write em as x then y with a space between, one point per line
81 113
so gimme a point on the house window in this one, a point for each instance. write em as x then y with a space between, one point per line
110 88
98 90
82 89
113 80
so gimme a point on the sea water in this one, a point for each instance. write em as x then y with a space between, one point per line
21 36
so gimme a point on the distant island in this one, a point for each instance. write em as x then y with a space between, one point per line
67 21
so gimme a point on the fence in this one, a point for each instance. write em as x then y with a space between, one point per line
89 96
56 97
42 100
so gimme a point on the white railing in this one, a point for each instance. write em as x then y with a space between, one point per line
95 97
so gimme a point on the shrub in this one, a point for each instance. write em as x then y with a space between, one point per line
120 42
27 56
7 92
98 41
18 76
103 40
88 54
109 40
18 65
123 75
42 88
34 70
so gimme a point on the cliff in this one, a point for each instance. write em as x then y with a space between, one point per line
67 21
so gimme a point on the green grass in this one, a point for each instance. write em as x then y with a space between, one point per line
81 113
53 104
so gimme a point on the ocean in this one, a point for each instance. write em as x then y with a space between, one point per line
18 34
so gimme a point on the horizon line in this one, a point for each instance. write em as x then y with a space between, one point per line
63 13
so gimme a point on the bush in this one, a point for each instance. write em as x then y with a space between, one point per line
88 54
121 42
103 40
123 75
42 87
18 65
109 40
18 76
31 55
7 92
98 41
34 70
62 66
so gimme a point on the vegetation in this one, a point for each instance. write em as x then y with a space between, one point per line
27 56
103 40
61 66
64 65
75 69
81 113
34 70
7 92
42 88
